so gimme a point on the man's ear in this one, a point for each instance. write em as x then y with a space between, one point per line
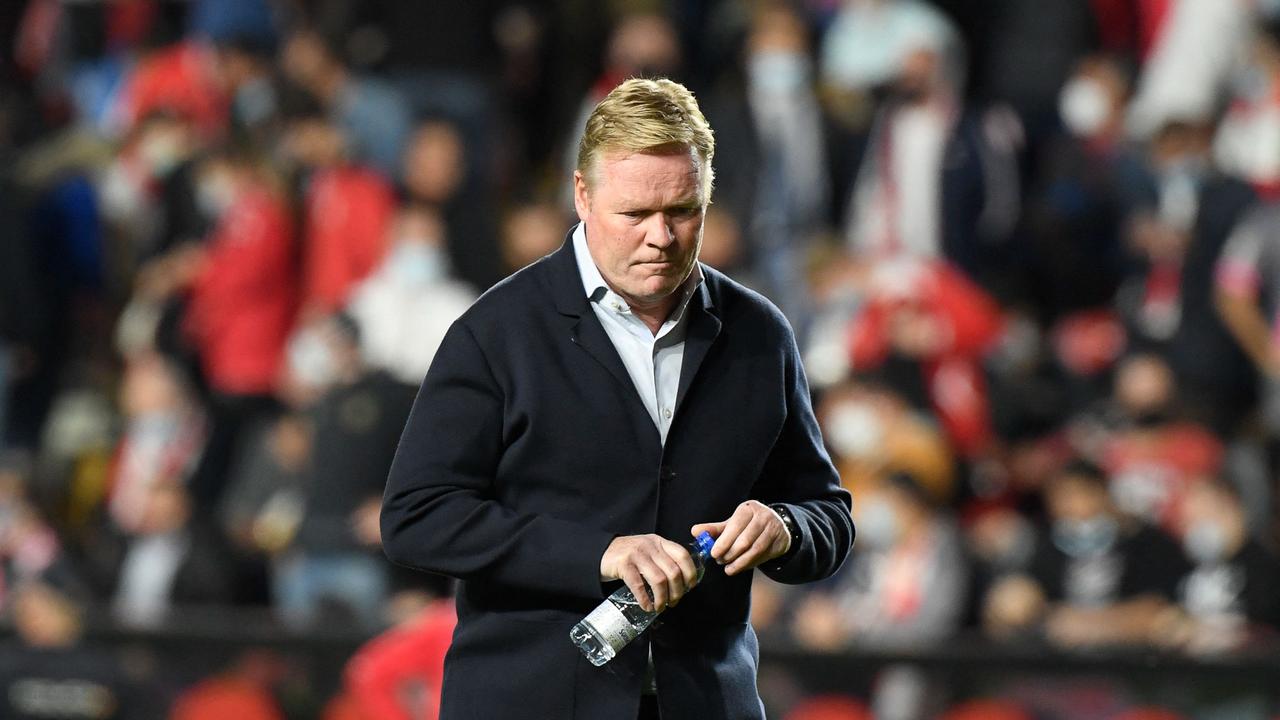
581 195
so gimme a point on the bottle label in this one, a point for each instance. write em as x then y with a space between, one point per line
613 626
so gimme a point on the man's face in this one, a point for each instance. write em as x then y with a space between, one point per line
643 216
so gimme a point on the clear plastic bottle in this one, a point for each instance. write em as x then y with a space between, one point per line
620 619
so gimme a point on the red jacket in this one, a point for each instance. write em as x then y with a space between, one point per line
971 323
244 300
348 210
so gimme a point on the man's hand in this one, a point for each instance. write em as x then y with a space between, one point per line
753 535
651 561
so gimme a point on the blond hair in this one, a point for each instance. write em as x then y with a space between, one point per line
642 115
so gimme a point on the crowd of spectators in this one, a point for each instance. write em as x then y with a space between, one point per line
1030 250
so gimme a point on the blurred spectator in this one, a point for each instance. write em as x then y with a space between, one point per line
1195 48
371 113
1247 144
347 210
1230 595
246 73
1088 181
872 432
1097 579
407 305
903 587
772 166
356 424
163 439
165 560
1150 453
924 330
869 41
242 692
435 176
48 671
938 180
530 232
242 303
398 675
179 78
1169 305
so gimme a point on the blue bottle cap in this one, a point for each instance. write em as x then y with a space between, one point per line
705 541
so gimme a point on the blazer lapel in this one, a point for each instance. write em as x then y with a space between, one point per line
704 327
585 331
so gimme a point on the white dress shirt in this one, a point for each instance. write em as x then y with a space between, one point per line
652 360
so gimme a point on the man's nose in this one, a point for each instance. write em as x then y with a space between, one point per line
661 232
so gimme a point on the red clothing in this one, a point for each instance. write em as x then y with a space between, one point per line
244 300
1151 470
971 323
398 675
179 79
348 210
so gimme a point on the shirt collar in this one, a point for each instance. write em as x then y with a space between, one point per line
595 288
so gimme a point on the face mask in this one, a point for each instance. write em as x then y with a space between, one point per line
1083 106
1085 538
854 430
878 525
777 72
311 360
415 264
1205 542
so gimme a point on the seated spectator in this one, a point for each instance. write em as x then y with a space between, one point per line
48 670
398 675
163 558
871 432
1231 593
1138 438
904 585
405 307
924 328
1097 578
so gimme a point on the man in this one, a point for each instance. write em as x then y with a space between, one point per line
591 414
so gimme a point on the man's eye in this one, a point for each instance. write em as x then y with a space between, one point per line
634 214
684 212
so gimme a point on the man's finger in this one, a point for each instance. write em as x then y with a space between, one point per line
714 528
733 527
635 582
684 561
746 538
756 554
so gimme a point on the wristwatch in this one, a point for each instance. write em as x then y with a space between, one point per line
793 529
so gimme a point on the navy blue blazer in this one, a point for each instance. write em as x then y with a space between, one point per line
528 450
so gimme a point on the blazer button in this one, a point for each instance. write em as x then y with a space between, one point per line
666 473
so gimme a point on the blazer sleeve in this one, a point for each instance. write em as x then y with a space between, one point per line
438 509
799 473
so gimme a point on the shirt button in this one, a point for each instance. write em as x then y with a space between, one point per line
667 413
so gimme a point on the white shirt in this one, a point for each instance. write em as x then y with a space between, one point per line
652 360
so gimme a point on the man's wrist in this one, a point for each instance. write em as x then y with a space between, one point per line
793 531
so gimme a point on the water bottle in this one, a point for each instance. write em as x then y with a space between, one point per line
618 620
